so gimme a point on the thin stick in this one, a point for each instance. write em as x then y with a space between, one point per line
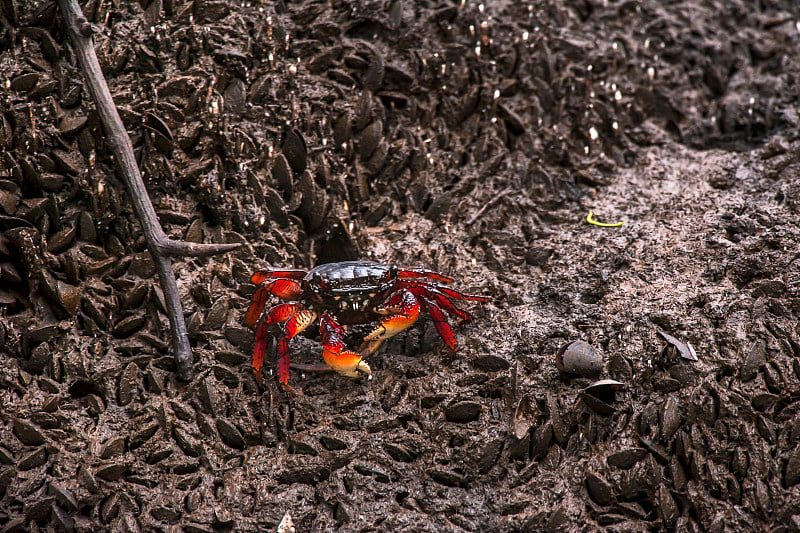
474 218
161 246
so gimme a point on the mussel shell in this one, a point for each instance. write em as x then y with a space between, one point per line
370 138
282 174
579 358
294 148
601 395
373 77
342 130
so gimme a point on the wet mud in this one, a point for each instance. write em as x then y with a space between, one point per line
644 376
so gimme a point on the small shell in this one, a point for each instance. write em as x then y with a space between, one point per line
111 471
143 435
161 134
370 138
230 434
626 459
579 358
28 433
61 240
300 447
294 148
399 453
313 207
755 359
24 82
187 443
128 326
396 14
342 130
194 233
67 296
667 508
463 412
601 395
332 443
792 473
600 490
488 456
72 124
128 384
113 447
373 77
282 174
684 349
362 111
513 121
670 419
525 416
36 458
71 162
377 161
215 318
226 375
64 497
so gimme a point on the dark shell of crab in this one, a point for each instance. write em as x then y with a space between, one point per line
349 290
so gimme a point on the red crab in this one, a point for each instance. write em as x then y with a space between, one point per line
348 293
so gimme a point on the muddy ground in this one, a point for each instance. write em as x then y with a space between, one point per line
468 138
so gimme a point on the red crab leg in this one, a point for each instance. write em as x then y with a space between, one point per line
335 352
441 300
282 288
447 291
262 275
442 326
260 348
418 273
282 312
403 310
295 324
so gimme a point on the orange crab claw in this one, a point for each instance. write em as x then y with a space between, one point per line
403 308
335 352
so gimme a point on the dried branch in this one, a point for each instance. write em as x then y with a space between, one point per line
474 218
161 246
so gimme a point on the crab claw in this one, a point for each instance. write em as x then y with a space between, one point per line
402 310
335 352
347 363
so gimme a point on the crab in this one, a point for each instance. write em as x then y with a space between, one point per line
344 294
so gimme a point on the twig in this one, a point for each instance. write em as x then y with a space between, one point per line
161 246
474 218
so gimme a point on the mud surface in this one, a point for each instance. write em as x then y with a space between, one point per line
468 138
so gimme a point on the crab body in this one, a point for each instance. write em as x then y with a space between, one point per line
349 293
